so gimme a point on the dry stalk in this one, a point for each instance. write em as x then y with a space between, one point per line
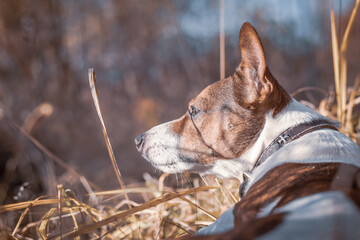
340 65
122 215
92 83
222 41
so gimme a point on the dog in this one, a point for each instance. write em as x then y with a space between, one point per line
300 174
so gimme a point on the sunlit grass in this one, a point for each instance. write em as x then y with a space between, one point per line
345 101
168 213
163 211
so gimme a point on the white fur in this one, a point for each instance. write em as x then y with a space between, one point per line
161 149
320 146
326 215
311 212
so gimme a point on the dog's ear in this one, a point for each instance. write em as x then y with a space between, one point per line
254 86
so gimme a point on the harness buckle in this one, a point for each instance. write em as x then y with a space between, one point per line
243 185
283 139
246 175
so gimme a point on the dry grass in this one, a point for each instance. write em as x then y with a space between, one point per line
345 102
169 213
163 211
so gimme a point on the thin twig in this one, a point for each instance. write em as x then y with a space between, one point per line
59 195
124 214
336 62
92 83
222 41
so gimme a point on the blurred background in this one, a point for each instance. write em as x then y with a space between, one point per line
150 58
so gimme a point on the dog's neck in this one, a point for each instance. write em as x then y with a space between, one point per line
293 114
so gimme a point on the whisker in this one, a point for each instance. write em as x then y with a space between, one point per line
177 180
182 179
188 180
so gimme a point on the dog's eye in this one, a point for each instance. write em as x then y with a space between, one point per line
193 111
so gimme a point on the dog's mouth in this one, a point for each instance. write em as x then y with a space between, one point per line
173 167
158 157
164 150
174 163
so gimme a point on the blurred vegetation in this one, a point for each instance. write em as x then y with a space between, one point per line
150 60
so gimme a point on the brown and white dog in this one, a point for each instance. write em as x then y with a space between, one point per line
302 174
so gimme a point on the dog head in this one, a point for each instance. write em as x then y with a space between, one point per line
223 121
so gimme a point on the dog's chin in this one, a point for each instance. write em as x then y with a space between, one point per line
170 168
178 166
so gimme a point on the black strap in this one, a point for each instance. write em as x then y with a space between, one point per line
292 134
284 138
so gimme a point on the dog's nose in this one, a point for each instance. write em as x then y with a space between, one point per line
139 141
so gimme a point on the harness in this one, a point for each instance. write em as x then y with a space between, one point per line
284 138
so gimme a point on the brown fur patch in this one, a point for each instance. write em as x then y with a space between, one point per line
222 130
232 111
287 182
256 88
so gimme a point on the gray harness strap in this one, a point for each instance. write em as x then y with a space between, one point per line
284 138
